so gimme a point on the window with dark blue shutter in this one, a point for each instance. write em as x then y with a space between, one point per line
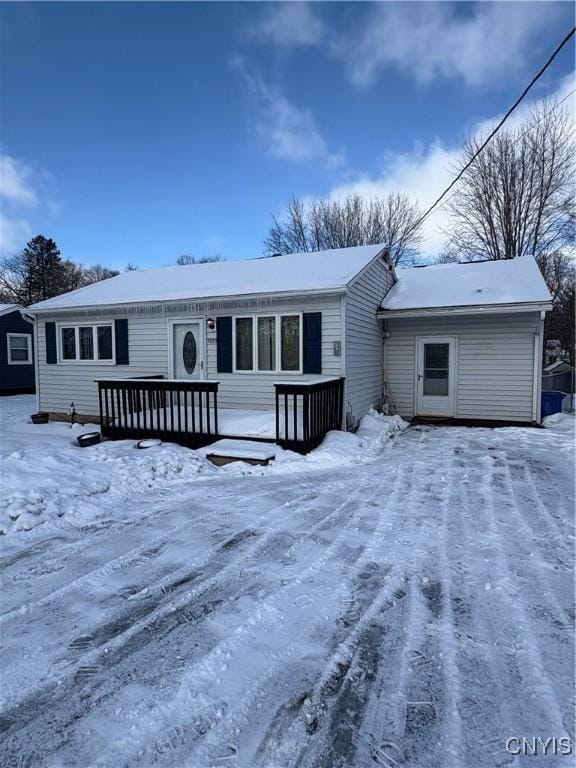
224 344
312 322
51 353
121 342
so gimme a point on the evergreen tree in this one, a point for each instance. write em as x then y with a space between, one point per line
38 272
44 269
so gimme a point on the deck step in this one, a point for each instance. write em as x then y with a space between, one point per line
226 451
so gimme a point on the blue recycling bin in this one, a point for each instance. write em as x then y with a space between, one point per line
552 402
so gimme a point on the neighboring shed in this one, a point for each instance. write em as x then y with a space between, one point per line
464 341
16 350
559 376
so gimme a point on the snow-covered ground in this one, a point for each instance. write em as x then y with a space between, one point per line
383 602
46 475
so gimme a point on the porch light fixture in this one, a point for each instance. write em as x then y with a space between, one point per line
210 323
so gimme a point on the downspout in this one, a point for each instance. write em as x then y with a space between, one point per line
343 330
36 363
537 383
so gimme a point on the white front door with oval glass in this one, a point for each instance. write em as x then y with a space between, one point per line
187 350
435 376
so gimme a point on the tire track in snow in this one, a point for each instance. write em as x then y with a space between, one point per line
269 613
92 659
122 560
528 654
452 725
291 653
490 710
209 750
531 533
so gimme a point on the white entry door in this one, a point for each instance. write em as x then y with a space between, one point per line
187 350
436 376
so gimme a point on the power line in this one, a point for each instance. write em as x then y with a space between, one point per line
520 136
536 77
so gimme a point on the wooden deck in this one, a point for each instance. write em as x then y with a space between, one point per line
187 412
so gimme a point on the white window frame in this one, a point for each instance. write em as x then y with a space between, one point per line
278 369
28 337
77 360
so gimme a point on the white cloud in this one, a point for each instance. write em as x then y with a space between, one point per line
23 192
16 182
477 43
14 232
421 174
289 24
425 172
287 131
563 93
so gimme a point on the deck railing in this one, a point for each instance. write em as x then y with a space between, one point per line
182 411
306 410
186 411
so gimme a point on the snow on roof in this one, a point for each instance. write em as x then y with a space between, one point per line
293 273
6 308
557 364
508 281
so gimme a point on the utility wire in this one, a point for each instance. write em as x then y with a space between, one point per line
520 136
536 77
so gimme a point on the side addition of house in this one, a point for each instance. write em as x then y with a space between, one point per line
465 341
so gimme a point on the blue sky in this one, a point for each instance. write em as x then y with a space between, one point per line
134 132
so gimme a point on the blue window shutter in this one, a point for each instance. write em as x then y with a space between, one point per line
312 322
224 344
51 355
121 342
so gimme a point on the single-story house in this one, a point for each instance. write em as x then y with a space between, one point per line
287 347
16 350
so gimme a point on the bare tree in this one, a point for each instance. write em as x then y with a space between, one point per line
97 273
318 225
560 322
186 259
516 197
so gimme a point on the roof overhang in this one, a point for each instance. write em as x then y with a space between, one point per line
478 309
17 308
269 296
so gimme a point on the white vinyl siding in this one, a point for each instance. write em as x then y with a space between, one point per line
364 349
148 334
495 363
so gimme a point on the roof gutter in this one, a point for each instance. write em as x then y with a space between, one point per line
194 300
477 309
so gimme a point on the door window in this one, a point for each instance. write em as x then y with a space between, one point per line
189 352
436 369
